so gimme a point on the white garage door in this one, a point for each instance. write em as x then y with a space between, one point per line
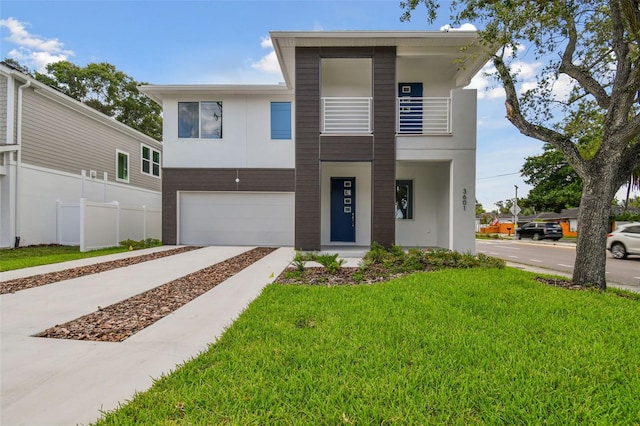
237 218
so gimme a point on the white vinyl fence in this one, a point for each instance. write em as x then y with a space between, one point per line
93 225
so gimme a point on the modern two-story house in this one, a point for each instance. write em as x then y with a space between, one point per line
371 138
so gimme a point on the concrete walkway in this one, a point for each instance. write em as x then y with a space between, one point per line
67 382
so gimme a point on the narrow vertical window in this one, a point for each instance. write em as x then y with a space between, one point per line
404 199
188 120
211 120
122 166
280 120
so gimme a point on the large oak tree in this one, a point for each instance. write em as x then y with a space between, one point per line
593 48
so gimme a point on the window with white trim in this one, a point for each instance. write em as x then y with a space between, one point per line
122 166
150 161
200 120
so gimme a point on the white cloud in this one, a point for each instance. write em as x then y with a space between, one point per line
33 51
268 63
463 27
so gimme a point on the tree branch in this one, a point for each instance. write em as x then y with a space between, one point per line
514 115
583 77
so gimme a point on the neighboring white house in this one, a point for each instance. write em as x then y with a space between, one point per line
371 138
54 149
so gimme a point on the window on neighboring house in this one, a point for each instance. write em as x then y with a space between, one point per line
150 161
280 120
200 120
122 166
404 199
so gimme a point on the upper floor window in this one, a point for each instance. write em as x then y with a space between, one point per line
280 120
200 120
150 161
122 166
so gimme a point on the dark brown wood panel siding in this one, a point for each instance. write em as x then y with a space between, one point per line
384 149
188 179
346 148
307 203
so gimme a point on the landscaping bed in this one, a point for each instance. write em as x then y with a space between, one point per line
119 321
11 286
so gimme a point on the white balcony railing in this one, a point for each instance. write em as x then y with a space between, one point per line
423 115
346 115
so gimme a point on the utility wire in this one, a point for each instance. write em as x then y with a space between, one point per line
506 174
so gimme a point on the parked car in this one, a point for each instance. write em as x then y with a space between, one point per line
624 241
540 231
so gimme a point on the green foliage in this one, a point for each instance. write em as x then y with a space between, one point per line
26 257
104 88
454 347
137 245
329 261
556 185
396 260
628 216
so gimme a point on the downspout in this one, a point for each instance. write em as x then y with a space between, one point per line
19 162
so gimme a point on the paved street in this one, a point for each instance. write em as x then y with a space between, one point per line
558 257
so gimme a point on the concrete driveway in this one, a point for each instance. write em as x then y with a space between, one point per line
66 382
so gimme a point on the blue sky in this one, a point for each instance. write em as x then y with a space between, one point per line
215 41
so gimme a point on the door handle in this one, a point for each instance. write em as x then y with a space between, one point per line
353 220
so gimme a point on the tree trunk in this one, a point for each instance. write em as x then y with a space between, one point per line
593 226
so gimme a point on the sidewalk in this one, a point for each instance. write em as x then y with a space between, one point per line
67 382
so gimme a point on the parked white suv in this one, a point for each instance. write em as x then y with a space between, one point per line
624 241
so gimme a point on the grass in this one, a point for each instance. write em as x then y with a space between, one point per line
25 257
473 346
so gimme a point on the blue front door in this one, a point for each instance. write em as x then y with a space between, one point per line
343 209
411 108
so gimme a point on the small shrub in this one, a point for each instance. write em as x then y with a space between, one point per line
330 262
299 260
137 245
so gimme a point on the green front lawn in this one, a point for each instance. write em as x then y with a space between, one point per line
475 346
25 257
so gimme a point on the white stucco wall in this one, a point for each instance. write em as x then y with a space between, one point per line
455 222
362 173
246 131
430 205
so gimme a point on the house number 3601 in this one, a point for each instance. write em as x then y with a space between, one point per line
464 198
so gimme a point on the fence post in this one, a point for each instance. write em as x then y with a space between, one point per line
104 187
117 222
59 221
144 223
82 225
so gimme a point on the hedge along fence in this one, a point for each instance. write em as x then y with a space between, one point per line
94 225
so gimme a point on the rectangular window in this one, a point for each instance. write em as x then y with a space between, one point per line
122 166
404 199
150 161
280 120
200 120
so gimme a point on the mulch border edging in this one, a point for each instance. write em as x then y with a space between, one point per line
17 284
122 320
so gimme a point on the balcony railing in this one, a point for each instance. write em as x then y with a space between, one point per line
346 115
424 116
